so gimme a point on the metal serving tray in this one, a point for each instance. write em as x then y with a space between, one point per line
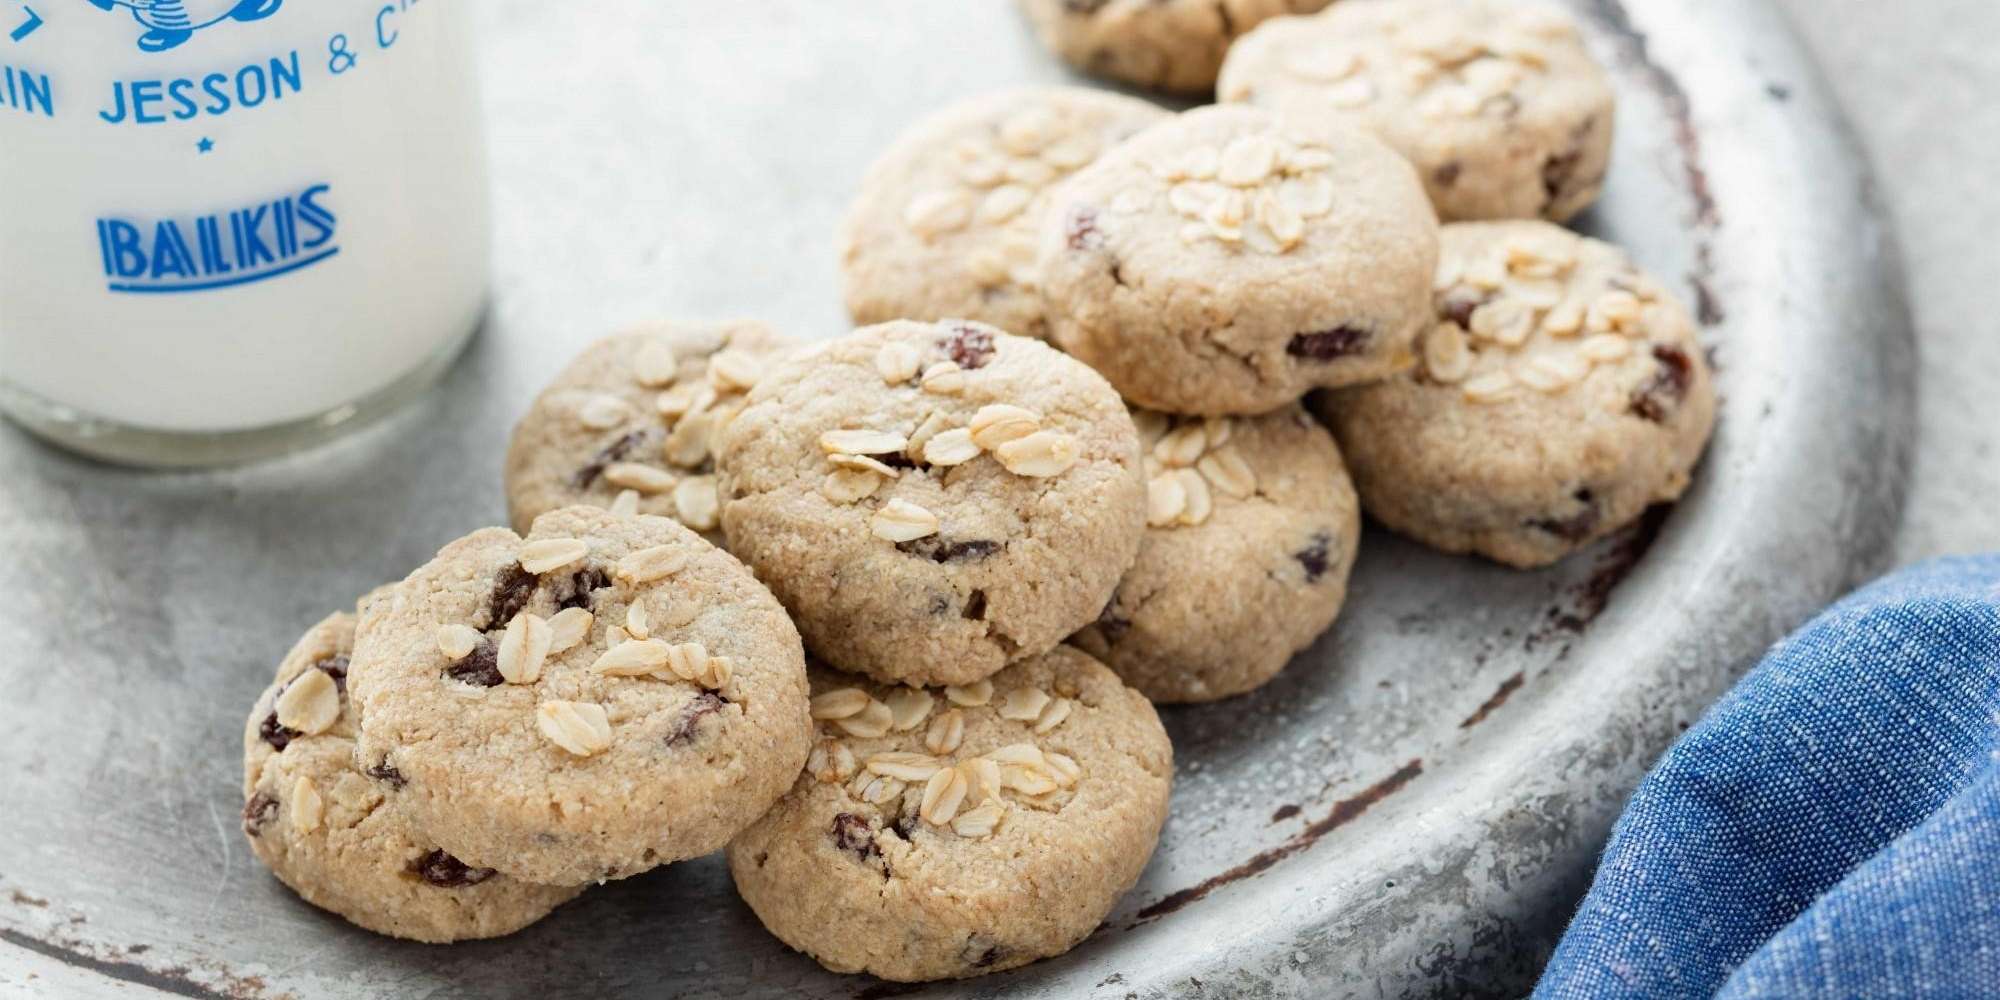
1412 809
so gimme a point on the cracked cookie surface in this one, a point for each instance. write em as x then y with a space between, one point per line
1562 391
609 694
945 833
933 501
318 819
1498 104
636 413
1173 45
945 222
1230 260
1251 532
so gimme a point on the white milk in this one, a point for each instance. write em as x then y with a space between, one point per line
226 215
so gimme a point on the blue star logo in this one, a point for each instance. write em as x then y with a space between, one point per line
205 145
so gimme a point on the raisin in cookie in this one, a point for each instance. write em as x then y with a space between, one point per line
1562 391
934 501
946 220
633 416
1229 260
608 694
1502 110
1251 531
939 834
1174 45
316 818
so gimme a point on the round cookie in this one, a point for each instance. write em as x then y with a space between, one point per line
1251 531
314 817
611 694
1174 45
945 834
945 223
1498 104
636 411
1228 260
1562 392
934 501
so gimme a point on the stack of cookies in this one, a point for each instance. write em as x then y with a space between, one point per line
886 615
521 717
939 506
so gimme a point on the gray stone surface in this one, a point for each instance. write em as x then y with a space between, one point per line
1921 83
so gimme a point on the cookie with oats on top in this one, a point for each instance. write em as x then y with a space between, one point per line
1173 45
1562 392
1497 102
944 224
1229 260
934 501
315 815
608 694
954 832
1251 530
631 421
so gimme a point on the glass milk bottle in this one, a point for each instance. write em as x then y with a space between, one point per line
229 228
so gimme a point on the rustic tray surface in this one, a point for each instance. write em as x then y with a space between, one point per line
1411 810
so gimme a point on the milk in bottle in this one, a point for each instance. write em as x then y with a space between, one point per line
228 227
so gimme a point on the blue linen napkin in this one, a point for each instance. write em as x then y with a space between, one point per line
1831 828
